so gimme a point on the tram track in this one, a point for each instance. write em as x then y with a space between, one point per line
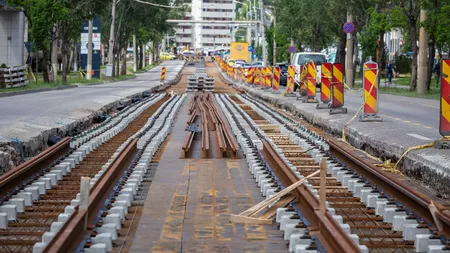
42 193
368 210
371 216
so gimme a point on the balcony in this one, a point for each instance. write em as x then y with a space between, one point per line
214 14
218 6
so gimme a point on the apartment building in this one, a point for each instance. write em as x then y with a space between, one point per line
207 35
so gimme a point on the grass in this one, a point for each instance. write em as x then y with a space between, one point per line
434 93
145 69
72 78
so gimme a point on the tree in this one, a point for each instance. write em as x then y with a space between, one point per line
41 14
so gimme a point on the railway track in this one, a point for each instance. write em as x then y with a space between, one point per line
364 212
42 195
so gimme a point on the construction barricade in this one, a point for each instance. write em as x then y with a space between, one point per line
444 122
276 79
325 88
256 77
262 78
311 83
337 90
243 76
303 84
290 82
370 83
250 73
268 78
163 74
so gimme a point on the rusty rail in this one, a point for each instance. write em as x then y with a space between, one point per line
392 185
12 180
211 120
72 233
325 227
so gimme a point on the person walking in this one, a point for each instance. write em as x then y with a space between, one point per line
390 72
437 71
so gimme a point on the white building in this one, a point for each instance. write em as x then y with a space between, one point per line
12 36
204 35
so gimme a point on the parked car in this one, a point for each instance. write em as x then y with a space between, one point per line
283 73
239 63
166 56
318 58
258 64
231 62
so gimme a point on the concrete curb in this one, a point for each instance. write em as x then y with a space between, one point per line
24 92
432 174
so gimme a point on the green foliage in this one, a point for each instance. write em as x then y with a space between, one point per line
403 64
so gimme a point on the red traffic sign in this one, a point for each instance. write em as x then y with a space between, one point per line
349 27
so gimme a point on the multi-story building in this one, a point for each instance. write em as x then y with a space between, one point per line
207 35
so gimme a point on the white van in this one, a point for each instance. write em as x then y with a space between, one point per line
301 58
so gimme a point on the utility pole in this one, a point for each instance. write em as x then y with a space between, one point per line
111 34
349 55
292 54
89 59
256 24
134 53
274 42
423 59
263 36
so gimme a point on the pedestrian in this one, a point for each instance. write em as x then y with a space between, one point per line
437 71
390 72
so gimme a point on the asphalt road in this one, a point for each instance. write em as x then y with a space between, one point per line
409 110
25 116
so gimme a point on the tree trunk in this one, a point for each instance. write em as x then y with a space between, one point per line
141 56
70 62
54 51
124 61
432 54
75 53
118 64
340 54
380 50
64 60
45 66
413 31
355 56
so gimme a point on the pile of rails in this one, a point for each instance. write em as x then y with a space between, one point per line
13 77
202 105
200 81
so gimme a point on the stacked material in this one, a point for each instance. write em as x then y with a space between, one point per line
13 77
200 81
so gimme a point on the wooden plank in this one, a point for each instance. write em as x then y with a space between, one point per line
272 211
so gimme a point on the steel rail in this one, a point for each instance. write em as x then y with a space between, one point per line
74 230
393 185
12 180
325 227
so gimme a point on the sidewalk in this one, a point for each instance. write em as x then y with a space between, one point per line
32 118
407 122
